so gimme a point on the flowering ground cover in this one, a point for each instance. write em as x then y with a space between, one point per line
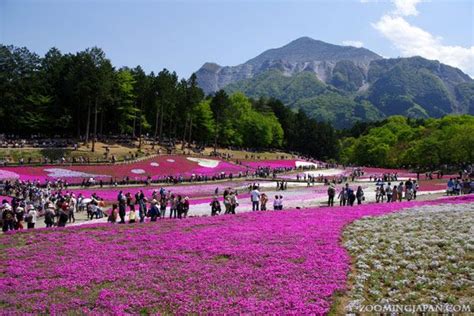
155 167
289 163
432 185
192 190
254 263
378 172
423 255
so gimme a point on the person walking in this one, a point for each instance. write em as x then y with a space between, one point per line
154 212
227 202
280 202
351 197
72 209
49 216
263 202
63 217
122 200
331 194
395 194
185 206
20 216
276 203
234 202
342 197
31 216
173 206
215 206
179 206
113 214
359 195
400 191
8 218
163 203
389 192
255 198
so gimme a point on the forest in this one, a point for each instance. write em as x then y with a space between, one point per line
82 95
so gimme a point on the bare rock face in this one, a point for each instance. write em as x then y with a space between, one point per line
303 54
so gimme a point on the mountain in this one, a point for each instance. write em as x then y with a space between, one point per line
343 84
303 54
306 92
418 87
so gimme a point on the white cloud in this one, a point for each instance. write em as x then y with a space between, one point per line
406 7
353 43
411 40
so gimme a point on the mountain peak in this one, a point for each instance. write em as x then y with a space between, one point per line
304 39
301 54
307 49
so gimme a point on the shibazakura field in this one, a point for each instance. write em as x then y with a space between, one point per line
286 262
157 167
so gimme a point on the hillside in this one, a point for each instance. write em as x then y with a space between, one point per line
343 85
306 92
303 54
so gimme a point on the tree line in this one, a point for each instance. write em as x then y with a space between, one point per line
413 143
82 95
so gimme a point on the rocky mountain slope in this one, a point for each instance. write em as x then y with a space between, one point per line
303 54
343 84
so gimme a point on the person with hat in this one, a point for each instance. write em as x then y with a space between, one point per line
20 215
8 218
185 206
31 216
154 212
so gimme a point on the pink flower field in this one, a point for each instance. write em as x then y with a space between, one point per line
190 190
290 163
155 167
290 262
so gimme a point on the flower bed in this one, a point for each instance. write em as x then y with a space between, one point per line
255 263
273 164
190 190
154 167
421 256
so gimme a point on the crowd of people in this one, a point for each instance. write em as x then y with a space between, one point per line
31 200
385 191
457 186
346 195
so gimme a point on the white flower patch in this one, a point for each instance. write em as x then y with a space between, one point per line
138 171
4 174
65 173
207 163
154 164
427 255
305 164
170 160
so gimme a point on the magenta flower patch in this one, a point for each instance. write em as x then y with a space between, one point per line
290 262
157 167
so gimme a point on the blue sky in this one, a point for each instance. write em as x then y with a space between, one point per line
182 35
